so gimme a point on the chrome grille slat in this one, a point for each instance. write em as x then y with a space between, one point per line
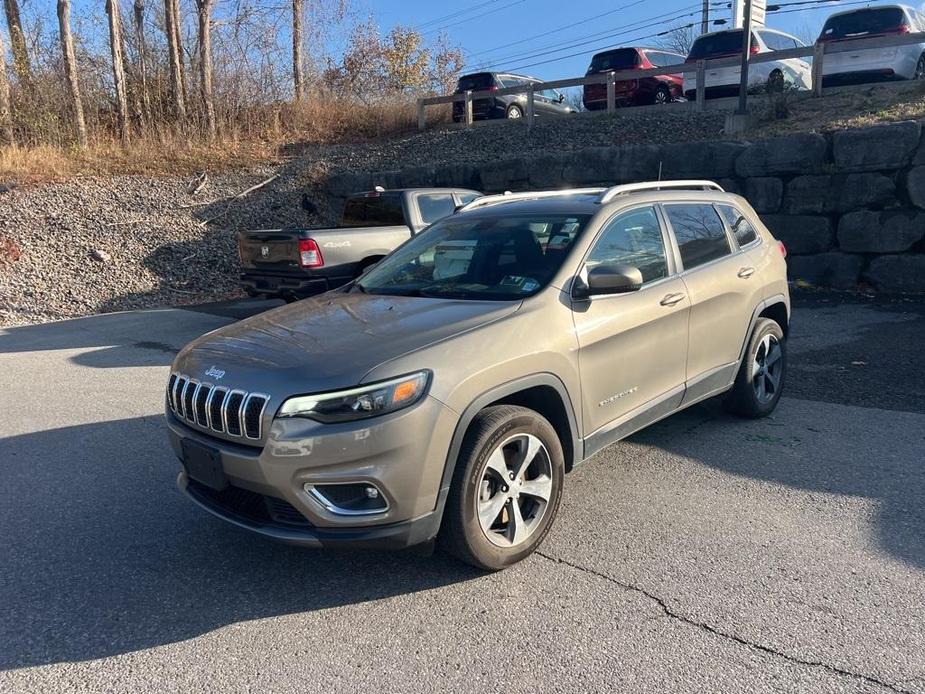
232 412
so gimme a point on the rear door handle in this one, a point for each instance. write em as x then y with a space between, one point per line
672 299
746 272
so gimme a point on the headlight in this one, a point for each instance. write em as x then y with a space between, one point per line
361 402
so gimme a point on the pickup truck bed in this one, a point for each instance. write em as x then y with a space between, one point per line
296 263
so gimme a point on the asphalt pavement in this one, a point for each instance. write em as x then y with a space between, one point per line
703 554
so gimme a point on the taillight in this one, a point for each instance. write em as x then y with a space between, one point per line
309 253
754 50
782 248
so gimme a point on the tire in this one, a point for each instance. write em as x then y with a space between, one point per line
920 68
501 437
662 95
775 84
514 112
753 398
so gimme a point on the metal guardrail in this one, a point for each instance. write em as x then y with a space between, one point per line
817 52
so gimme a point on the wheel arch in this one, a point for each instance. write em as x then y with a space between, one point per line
368 260
543 392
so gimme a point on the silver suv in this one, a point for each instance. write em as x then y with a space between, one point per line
445 393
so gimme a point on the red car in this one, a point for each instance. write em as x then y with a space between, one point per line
647 90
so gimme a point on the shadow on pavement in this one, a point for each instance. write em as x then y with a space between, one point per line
835 460
103 556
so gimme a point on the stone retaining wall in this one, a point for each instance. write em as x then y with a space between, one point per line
850 206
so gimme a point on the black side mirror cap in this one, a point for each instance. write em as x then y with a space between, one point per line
608 279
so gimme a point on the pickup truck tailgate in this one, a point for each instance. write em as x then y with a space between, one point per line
274 249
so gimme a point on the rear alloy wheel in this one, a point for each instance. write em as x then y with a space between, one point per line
775 82
514 112
506 488
920 69
760 381
662 95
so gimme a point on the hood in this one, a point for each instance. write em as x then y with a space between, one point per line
328 342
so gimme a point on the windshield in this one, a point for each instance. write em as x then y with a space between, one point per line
872 21
496 258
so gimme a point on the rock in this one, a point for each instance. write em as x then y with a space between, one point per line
794 154
802 234
506 174
838 193
711 160
7 187
633 163
915 186
591 165
866 231
100 255
888 146
764 193
898 273
346 184
730 185
838 270
416 177
546 171
457 176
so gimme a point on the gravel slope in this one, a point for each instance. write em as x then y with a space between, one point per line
91 245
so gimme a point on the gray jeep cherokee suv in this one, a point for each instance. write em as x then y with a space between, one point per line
445 394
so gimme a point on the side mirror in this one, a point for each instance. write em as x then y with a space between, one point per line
609 279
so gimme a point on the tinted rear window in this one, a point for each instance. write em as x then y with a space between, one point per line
378 211
860 22
713 45
482 80
624 59
699 232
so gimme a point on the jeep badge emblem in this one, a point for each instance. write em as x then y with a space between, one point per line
215 373
264 251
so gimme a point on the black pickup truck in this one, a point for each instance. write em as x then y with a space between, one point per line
296 263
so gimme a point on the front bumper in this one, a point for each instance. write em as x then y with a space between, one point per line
403 454
287 285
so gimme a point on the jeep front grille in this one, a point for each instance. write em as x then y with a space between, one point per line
232 412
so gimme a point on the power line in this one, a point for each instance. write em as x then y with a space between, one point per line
477 16
608 34
538 50
453 15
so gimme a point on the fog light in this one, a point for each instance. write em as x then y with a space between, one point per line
350 499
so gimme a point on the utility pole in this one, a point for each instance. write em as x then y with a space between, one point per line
746 54
705 17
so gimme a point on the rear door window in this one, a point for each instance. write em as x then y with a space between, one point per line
700 233
741 228
476 82
623 59
377 210
435 206
861 22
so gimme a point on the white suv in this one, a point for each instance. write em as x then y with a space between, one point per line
774 75
870 64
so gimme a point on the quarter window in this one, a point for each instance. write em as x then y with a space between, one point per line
434 207
741 228
700 233
634 238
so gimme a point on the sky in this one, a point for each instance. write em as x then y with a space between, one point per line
494 31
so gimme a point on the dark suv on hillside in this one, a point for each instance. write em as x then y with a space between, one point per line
660 89
546 102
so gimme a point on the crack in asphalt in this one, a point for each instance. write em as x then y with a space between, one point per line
703 626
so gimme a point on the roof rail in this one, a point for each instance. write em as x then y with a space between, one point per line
613 192
508 196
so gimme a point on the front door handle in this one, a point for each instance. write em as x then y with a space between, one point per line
672 299
746 272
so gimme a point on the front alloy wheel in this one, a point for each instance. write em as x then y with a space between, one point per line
760 380
506 488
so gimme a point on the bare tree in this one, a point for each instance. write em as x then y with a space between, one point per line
298 68
6 116
141 45
70 70
678 39
175 57
118 66
21 64
204 10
